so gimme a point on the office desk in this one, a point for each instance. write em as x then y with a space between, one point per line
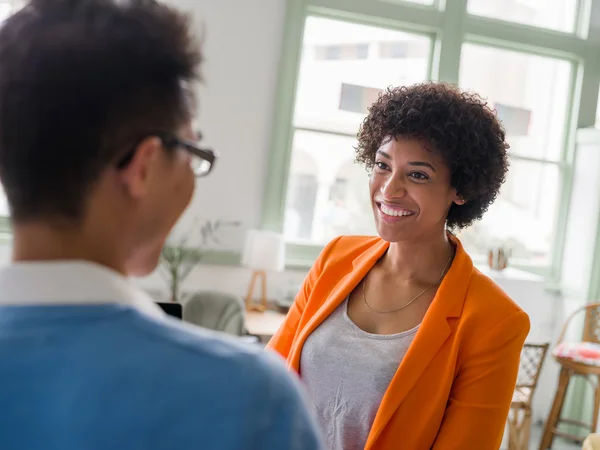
264 324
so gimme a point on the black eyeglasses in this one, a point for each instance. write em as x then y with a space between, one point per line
203 159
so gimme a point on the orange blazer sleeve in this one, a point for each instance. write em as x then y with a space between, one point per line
282 341
482 392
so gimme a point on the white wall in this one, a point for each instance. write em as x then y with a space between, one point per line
242 43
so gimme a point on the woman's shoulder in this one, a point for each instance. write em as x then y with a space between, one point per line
347 248
482 286
353 243
487 305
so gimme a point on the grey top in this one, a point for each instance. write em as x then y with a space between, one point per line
347 372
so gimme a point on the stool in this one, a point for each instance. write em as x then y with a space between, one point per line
519 419
576 359
592 442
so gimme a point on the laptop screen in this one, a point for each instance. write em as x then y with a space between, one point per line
172 309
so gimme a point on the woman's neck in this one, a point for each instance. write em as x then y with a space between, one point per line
421 260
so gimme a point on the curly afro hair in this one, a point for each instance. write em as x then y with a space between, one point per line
459 125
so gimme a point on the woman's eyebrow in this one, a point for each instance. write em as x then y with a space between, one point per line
421 164
411 163
384 154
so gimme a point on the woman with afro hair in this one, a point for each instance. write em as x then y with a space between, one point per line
401 342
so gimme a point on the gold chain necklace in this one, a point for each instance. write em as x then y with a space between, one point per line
364 288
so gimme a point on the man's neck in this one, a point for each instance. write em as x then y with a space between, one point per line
42 242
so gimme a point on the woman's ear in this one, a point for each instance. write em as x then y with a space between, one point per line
457 199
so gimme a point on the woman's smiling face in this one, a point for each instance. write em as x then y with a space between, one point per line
410 190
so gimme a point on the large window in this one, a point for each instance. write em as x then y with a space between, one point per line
528 58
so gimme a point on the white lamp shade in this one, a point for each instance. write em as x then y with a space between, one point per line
264 250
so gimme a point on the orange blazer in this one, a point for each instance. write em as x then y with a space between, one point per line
454 387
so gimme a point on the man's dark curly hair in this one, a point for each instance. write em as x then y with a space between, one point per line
459 125
81 81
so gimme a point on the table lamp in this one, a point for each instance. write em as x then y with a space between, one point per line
264 251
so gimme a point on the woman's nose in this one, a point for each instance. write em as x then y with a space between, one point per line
394 186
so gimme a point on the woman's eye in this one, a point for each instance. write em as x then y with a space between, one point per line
381 165
419 176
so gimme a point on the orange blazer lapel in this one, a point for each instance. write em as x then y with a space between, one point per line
360 267
432 334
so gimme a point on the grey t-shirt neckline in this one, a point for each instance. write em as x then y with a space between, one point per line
359 330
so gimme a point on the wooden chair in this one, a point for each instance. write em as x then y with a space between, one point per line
576 359
519 419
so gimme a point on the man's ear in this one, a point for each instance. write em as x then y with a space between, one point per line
138 173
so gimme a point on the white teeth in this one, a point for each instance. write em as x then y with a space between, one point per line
394 212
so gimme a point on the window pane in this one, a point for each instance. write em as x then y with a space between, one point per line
328 194
523 216
530 94
555 14
344 66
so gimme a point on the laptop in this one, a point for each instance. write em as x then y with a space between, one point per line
172 309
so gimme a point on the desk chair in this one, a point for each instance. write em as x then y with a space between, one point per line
217 311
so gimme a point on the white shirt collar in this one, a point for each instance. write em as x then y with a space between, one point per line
70 283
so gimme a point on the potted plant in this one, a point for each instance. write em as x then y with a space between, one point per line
179 257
